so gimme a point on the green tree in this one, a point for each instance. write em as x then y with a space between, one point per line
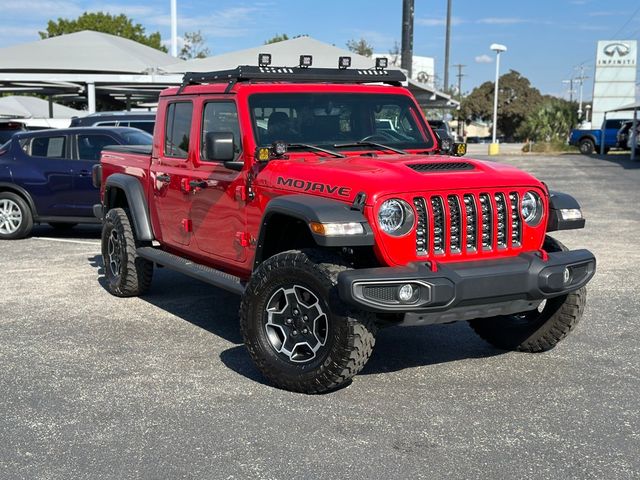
194 46
277 38
361 47
119 25
516 100
552 120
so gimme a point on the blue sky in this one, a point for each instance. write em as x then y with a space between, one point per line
547 39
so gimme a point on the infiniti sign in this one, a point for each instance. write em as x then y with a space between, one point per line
622 49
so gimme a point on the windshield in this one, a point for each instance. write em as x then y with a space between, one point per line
137 138
327 119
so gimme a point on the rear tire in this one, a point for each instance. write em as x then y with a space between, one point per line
16 220
298 333
537 330
586 146
127 274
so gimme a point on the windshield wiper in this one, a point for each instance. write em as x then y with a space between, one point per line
315 149
379 146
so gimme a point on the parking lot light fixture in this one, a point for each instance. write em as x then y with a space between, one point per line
498 48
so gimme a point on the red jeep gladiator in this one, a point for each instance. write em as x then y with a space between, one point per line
324 199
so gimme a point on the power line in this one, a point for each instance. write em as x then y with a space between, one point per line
626 23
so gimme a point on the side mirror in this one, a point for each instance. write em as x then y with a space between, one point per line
219 147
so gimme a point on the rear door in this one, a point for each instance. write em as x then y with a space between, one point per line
88 147
48 173
170 174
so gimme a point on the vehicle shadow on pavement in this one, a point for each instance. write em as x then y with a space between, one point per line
623 160
398 348
202 305
79 232
216 311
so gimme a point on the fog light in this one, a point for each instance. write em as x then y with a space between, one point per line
566 276
406 292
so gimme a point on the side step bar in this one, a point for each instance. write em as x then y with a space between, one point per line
187 267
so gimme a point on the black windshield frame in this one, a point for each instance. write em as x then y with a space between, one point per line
365 105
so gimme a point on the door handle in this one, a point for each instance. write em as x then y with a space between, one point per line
198 184
163 177
84 173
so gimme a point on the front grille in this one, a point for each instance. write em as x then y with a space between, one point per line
422 228
437 210
467 223
440 166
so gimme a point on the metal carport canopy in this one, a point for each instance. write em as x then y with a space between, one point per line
287 54
82 62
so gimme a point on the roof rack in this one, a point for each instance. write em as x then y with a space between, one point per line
246 73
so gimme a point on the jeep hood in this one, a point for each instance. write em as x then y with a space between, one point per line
343 178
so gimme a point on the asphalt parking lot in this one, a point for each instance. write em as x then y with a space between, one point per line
161 387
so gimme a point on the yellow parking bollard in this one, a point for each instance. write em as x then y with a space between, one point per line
494 149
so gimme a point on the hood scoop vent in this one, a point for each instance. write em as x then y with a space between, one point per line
440 166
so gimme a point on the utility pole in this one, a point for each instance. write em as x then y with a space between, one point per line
581 79
446 47
407 36
459 66
570 83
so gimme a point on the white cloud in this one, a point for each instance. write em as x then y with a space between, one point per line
43 7
133 11
501 21
437 22
484 58
604 14
230 22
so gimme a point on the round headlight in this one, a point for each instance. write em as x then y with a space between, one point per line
531 208
395 217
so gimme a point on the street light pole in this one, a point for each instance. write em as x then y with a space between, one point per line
174 28
493 148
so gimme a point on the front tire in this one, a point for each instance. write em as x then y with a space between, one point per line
16 220
536 330
297 331
127 274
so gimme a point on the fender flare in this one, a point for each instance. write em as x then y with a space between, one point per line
21 191
561 201
588 136
136 200
309 209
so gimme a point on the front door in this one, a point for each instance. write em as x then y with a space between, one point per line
217 208
87 154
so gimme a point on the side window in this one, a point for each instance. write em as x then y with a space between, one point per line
178 129
144 125
221 117
90 146
49 147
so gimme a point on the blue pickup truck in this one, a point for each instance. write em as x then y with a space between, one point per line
45 176
588 141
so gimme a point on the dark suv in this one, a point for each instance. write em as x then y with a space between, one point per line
45 176
142 120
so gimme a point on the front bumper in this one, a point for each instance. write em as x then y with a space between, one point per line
462 291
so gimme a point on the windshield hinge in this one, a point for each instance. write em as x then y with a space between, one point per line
359 201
